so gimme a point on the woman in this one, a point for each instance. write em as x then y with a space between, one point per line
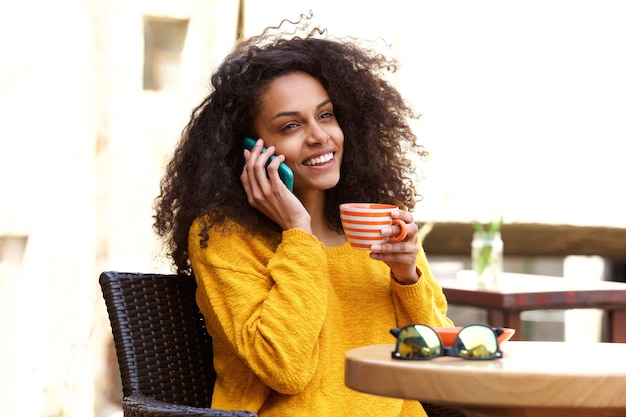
283 293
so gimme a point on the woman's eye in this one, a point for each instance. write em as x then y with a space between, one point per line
290 126
326 115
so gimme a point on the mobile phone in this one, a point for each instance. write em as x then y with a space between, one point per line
284 172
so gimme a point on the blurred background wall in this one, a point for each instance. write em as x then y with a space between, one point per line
522 108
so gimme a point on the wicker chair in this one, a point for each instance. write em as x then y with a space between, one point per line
163 350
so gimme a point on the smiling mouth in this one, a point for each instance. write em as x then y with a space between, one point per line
319 160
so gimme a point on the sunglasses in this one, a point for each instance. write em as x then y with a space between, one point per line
420 342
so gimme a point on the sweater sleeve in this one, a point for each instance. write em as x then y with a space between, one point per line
422 302
268 305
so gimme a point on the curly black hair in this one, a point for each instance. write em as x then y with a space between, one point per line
203 177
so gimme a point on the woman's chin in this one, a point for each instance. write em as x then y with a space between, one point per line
322 185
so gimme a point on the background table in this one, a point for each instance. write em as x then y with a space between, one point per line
513 293
539 379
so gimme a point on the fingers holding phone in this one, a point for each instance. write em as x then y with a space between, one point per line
265 178
259 162
284 172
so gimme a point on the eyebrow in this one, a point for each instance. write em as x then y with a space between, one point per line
295 113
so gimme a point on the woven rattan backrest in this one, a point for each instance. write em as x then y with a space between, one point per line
163 349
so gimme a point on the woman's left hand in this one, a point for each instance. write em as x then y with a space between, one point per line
400 256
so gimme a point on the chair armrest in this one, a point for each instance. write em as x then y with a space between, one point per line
140 405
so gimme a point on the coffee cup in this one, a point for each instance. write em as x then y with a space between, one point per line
362 223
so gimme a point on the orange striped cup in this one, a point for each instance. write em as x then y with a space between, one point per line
362 223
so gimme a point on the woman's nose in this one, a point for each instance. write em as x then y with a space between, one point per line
317 134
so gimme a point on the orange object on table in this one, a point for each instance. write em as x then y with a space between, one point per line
448 334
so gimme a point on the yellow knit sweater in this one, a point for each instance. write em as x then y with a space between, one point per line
281 319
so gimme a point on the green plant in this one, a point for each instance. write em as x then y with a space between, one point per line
484 255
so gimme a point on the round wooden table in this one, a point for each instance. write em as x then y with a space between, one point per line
540 379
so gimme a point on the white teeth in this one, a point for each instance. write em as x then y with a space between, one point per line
319 159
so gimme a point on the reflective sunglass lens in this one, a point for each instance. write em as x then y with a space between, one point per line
418 342
477 342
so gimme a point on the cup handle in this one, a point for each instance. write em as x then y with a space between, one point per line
403 230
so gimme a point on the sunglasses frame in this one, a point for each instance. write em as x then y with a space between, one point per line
448 350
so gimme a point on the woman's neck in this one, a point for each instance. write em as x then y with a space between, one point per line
319 223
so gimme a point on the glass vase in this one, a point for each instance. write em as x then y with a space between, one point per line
487 256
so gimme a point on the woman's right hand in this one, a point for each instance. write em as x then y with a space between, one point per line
268 194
